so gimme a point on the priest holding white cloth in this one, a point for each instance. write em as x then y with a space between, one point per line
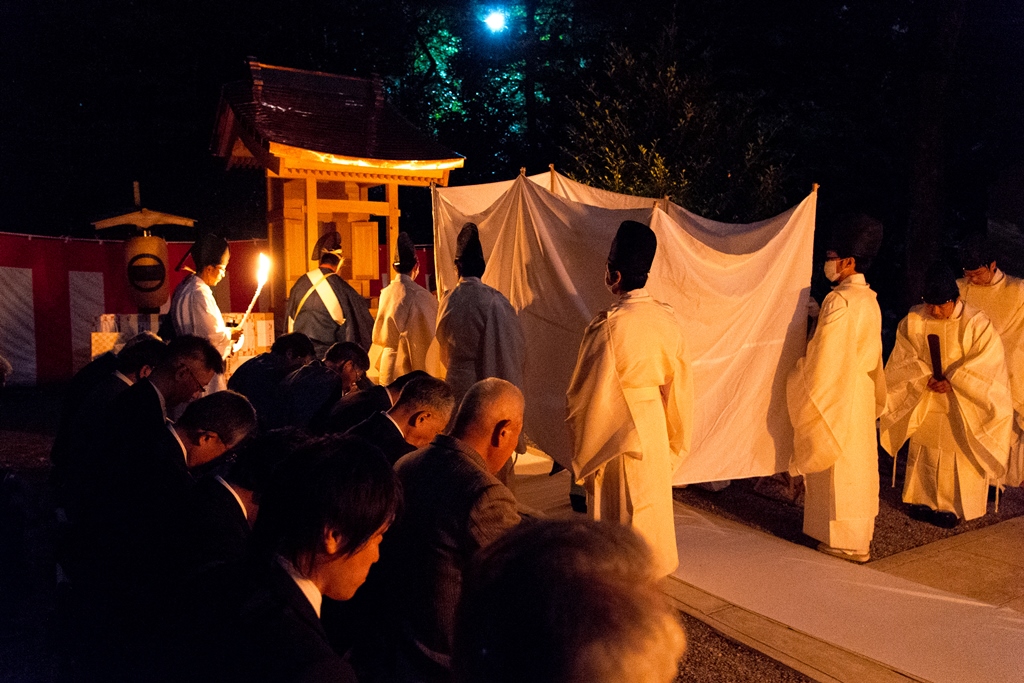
1001 298
403 332
630 402
959 421
835 393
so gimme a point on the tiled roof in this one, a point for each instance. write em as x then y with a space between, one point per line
340 115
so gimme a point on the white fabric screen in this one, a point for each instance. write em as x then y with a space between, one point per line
87 303
741 290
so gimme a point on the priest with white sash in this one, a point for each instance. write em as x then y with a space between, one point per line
403 333
1001 298
835 393
324 307
630 401
953 404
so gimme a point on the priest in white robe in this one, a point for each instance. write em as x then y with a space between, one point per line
403 332
478 332
630 402
195 312
835 393
958 416
1001 298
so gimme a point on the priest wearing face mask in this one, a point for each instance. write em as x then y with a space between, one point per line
835 393
956 410
630 401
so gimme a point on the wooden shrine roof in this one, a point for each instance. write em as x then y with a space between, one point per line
338 115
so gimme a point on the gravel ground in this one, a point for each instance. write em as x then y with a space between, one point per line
713 658
763 507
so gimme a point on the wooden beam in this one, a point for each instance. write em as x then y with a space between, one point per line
353 206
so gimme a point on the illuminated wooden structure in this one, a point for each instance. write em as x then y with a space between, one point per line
324 141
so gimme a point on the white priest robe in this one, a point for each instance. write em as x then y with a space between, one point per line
1003 302
194 311
479 336
404 330
630 412
958 440
835 393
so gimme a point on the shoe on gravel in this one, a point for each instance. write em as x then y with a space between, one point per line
848 555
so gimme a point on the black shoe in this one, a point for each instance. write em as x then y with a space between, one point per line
578 502
945 520
921 513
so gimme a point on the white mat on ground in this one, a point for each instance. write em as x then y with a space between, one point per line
914 629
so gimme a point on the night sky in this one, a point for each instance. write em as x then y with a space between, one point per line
98 93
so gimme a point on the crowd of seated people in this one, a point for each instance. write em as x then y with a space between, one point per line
305 525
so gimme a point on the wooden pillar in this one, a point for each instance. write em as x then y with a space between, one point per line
391 192
312 218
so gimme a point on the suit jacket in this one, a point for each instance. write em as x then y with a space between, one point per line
218 529
251 622
356 407
308 390
259 380
379 430
453 507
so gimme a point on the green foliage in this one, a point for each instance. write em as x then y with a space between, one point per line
648 126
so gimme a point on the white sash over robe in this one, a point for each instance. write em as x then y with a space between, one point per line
834 394
322 286
630 412
403 332
1003 302
958 440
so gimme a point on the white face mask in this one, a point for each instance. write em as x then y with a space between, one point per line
832 270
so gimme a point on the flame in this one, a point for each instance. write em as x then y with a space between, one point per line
263 270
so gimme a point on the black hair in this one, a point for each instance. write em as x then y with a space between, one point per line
227 413
188 346
976 252
348 351
208 251
329 259
399 382
427 393
296 342
630 281
133 358
342 483
254 464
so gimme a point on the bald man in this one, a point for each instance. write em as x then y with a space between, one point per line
454 505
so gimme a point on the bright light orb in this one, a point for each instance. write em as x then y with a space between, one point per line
495 21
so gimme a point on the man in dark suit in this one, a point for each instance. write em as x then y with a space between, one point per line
139 543
310 391
225 503
353 408
317 534
454 505
259 379
421 412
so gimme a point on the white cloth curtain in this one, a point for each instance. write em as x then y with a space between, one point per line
742 290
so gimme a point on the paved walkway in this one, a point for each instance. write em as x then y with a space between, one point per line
983 566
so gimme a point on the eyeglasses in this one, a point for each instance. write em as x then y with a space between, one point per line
202 387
